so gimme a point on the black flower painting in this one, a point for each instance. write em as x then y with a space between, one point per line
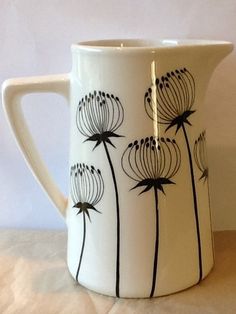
87 188
152 163
99 115
169 102
172 102
200 156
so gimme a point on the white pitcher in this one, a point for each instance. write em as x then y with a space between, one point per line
138 212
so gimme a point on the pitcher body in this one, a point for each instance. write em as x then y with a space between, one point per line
138 213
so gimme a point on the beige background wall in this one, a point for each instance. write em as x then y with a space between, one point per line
35 38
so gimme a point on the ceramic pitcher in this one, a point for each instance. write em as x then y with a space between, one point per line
138 216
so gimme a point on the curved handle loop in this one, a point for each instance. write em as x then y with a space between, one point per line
12 92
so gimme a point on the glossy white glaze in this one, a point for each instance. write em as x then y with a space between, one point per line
127 69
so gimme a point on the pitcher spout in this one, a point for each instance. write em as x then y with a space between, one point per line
216 51
206 55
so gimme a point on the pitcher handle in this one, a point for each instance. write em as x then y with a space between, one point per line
12 92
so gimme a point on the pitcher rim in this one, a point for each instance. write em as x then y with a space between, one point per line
139 44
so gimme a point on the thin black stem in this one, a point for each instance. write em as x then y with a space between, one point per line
118 222
82 249
209 202
195 203
156 246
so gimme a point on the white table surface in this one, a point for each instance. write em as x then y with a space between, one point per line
34 279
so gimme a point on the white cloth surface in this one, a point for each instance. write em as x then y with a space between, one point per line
34 279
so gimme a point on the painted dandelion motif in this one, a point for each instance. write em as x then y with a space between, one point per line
87 188
98 117
170 102
200 156
175 95
152 163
